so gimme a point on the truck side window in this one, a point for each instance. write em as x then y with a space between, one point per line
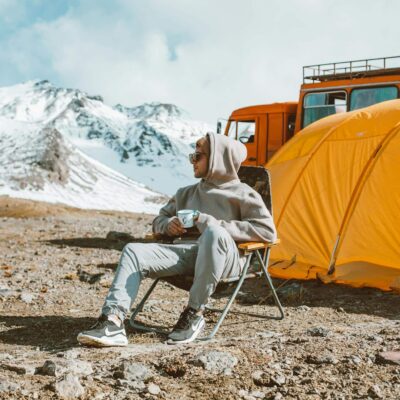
360 98
246 131
322 104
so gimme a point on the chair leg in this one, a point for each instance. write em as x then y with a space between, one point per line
229 303
269 280
139 308
263 262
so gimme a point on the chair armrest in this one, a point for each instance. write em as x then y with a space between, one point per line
159 237
152 236
248 247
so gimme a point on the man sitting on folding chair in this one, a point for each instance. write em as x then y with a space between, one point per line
227 211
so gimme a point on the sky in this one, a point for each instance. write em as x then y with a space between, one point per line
208 57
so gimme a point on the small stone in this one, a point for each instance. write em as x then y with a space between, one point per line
69 387
48 368
71 354
375 338
268 334
227 372
260 378
153 389
257 394
137 386
7 292
277 380
216 361
319 360
297 370
375 392
318 332
303 308
20 369
340 310
278 396
26 297
354 359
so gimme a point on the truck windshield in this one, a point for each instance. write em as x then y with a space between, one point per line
360 98
322 104
246 131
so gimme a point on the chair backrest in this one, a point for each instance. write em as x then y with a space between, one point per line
259 179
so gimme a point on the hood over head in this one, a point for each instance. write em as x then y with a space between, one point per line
226 155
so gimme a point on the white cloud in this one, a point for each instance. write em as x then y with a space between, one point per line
208 57
11 12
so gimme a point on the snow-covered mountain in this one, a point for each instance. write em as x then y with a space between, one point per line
148 143
40 164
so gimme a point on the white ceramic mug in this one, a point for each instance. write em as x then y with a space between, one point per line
186 218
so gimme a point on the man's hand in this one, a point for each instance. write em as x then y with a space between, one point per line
175 228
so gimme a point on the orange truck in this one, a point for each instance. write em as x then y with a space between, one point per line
327 89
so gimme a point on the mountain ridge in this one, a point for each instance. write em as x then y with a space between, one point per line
148 143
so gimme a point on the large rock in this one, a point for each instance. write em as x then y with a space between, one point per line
262 378
6 386
69 387
77 367
132 372
216 362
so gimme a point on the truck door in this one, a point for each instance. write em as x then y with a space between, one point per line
246 133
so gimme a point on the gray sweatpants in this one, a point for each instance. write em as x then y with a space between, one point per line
213 257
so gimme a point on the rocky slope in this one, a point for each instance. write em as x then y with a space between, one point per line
56 267
39 163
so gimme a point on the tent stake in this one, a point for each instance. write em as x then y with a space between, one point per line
332 262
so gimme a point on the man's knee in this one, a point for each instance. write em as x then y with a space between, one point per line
131 255
214 234
133 248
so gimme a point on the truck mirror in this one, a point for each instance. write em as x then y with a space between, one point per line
219 127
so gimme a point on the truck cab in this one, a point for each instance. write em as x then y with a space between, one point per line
326 89
263 129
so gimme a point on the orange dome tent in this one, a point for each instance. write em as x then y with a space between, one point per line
336 195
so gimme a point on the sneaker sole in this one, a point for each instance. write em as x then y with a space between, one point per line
102 342
192 338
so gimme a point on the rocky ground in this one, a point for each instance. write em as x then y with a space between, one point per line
56 265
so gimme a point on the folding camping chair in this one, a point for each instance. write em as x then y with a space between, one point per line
258 178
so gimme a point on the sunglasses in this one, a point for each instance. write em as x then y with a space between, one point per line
195 157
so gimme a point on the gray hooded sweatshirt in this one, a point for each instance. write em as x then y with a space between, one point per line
221 198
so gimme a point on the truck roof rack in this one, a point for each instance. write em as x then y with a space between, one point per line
351 69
